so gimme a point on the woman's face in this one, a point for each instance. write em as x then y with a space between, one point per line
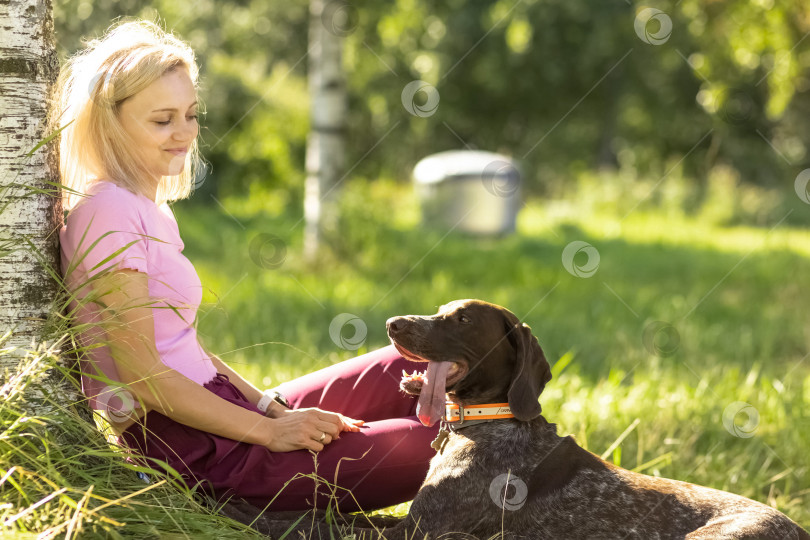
162 120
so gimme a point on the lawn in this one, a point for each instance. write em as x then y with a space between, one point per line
682 355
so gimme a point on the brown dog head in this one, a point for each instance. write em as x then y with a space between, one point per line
477 352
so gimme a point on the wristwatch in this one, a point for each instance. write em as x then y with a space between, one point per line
269 396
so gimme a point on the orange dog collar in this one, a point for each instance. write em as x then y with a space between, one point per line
489 411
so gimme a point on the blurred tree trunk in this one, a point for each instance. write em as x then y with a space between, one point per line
30 216
327 138
606 159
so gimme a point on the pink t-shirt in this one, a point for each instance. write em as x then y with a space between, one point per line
115 217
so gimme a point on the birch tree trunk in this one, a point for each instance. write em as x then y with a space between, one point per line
327 137
28 71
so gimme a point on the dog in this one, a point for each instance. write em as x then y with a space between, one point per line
515 477
501 471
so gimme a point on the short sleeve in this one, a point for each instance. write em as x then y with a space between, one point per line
106 231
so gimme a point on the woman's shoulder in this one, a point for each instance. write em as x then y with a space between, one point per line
109 191
108 226
109 195
106 202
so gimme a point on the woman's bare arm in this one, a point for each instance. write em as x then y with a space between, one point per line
252 393
274 409
127 319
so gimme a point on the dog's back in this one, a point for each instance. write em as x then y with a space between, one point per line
521 480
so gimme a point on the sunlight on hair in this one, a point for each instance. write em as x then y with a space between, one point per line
88 94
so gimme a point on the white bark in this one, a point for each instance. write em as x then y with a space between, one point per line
28 70
327 138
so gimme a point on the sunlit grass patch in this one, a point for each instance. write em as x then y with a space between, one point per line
684 317
686 329
59 477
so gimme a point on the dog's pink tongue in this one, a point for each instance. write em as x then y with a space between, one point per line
431 404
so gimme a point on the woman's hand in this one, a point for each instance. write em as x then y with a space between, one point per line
310 429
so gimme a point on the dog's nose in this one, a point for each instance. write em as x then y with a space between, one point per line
395 324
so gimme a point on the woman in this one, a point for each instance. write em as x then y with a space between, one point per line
129 102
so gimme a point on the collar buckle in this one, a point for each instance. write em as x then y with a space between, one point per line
450 411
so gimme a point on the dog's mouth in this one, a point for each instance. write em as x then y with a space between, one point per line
412 383
430 385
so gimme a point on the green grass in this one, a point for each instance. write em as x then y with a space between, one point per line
60 478
734 295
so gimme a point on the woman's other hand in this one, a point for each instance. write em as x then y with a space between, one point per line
310 429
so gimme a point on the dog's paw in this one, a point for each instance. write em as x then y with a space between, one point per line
412 383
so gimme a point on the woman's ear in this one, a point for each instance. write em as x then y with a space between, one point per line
530 374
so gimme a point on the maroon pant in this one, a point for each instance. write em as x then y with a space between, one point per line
383 464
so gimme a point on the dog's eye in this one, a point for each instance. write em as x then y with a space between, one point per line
463 318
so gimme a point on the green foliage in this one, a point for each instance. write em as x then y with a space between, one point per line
566 86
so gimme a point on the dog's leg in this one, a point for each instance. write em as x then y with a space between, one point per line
748 527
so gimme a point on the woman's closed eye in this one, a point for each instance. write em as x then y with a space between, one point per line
167 122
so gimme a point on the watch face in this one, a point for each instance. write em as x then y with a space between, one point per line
281 399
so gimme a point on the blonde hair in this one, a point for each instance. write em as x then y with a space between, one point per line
89 91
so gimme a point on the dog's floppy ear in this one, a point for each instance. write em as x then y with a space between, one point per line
531 371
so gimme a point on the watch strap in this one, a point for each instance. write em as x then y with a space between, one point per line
268 397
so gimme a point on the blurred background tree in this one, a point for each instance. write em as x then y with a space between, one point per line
569 87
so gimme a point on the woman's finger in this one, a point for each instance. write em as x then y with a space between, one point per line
315 446
312 440
321 439
333 418
351 424
343 423
328 428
